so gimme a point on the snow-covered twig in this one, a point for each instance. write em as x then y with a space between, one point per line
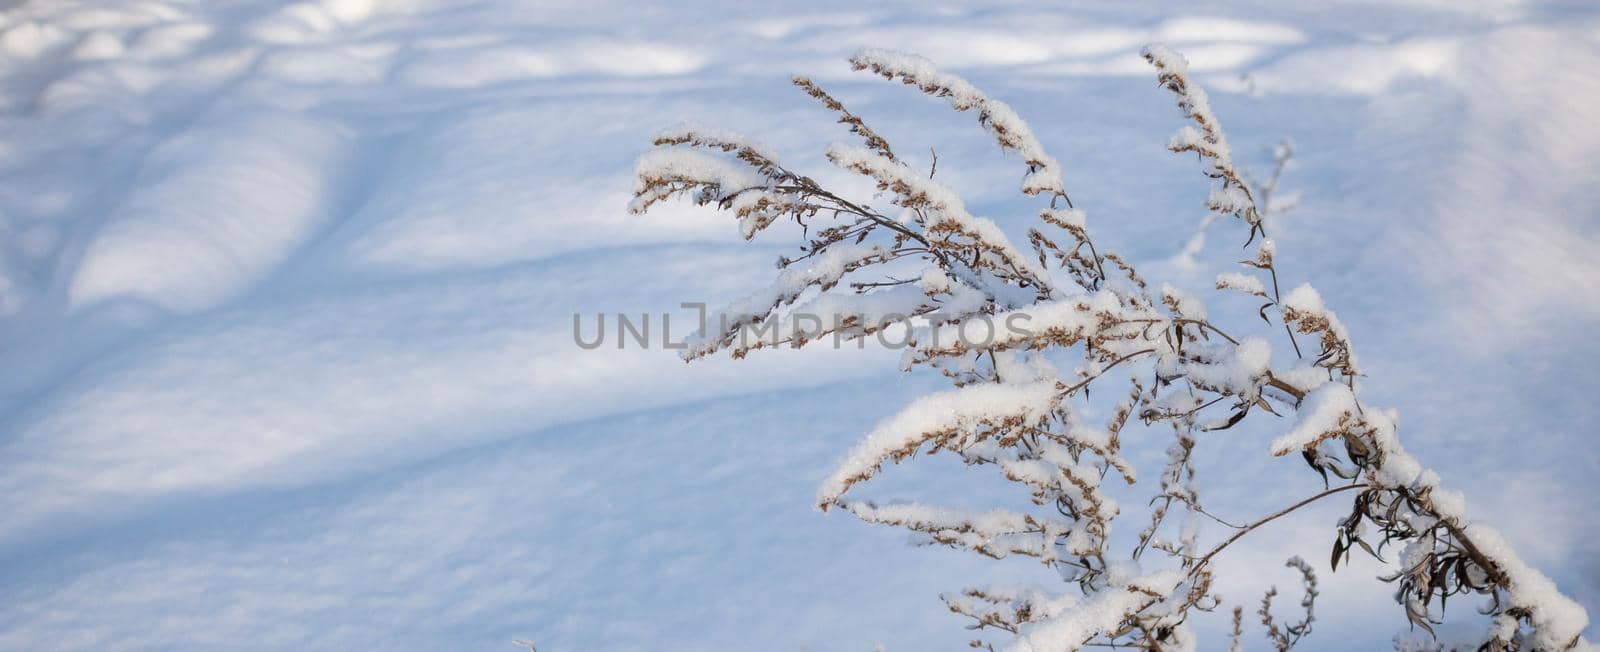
1013 410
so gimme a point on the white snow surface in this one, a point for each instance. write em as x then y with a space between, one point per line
287 296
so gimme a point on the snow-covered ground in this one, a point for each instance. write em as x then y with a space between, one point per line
286 297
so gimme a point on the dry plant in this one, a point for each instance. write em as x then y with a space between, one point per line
1012 409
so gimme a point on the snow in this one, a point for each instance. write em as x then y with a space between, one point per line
1238 371
996 533
1228 200
686 165
1099 614
1064 320
824 270
948 208
958 413
1044 174
723 139
214 210
1561 620
1241 283
286 296
1327 411
1304 303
